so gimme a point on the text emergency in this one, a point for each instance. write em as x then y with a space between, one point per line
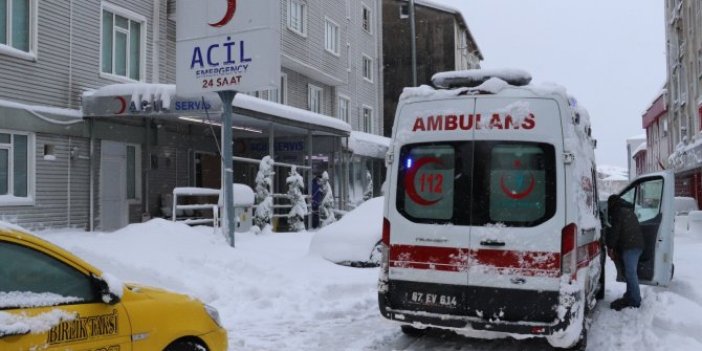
220 65
472 121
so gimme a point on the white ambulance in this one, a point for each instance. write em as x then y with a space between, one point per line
491 216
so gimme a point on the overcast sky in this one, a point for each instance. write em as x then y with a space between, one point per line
609 54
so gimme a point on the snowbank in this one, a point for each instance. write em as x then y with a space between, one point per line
352 238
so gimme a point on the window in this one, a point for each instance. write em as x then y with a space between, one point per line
122 46
478 183
297 17
368 68
314 98
342 111
331 37
275 95
367 119
646 197
16 171
26 270
18 27
367 19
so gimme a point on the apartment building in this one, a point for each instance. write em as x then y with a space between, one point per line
655 122
684 94
92 134
443 43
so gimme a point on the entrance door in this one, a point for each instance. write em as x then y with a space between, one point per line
652 198
114 207
208 170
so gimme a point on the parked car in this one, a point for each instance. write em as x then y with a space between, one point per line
354 240
52 300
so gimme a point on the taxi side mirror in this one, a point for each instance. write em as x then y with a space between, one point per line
103 290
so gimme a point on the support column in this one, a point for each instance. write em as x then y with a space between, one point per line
228 164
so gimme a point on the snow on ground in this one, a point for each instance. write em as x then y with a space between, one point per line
273 294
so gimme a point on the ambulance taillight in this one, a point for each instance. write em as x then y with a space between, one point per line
568 252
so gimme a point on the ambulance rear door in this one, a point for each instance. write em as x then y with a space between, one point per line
518 208
426 209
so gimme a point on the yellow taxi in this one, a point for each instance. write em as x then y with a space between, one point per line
52 300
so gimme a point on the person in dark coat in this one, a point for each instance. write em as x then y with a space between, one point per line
625 245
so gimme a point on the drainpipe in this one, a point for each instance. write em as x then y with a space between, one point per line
91 225
70 53
68 188
156 55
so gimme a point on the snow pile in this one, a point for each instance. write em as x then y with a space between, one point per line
30 299
353 237
21 323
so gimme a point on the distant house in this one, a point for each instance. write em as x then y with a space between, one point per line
443 43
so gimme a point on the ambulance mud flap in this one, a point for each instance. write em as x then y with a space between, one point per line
477 308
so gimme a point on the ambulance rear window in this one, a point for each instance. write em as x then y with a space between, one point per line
478 183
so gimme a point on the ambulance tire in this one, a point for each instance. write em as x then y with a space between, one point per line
412 331
185 345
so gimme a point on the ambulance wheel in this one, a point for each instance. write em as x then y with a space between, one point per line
185 345
412 331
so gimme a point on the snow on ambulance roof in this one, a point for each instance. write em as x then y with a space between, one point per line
476 77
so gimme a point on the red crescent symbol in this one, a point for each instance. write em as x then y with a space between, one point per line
231 9
409 181
123 104
514 195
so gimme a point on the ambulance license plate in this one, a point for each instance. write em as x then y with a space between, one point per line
431 299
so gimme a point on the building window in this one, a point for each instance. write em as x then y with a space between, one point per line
18 27
123 37
367 119
342 110
367 19
16 167
314 98
331 37
368 68
283 89
297 17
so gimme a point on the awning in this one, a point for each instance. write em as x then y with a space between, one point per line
160 101
370 145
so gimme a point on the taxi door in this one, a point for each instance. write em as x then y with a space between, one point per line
46 303
652 196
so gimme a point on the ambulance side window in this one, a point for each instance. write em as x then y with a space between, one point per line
27 272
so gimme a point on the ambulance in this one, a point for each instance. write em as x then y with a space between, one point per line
492 225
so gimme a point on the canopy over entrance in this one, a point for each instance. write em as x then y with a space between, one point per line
250 113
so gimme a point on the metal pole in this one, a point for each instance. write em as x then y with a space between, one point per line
413 43
227 163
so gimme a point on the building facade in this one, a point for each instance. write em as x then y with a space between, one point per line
684 99
62 168
655 122
443 43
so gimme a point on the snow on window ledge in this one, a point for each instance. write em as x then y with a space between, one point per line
9 200
10 51
27 299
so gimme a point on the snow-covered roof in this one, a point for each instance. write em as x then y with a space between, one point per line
49 114
160 100
290 113
370 145
642 147
637 137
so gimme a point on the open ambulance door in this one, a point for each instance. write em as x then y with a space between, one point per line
652 196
